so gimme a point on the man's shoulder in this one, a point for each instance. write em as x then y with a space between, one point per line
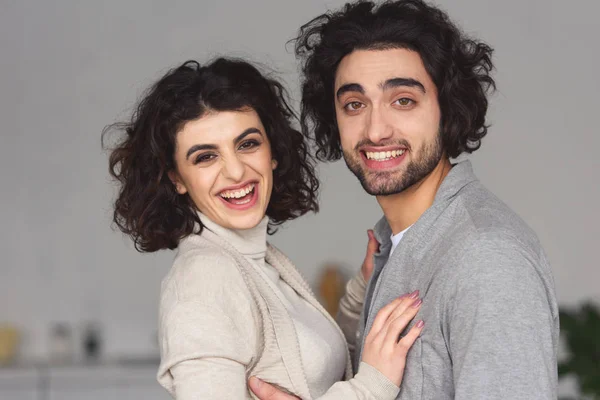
489 220
495 241
482 238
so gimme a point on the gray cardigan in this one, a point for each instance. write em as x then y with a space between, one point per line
491 318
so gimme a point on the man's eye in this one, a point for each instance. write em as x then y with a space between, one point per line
405 102
249 144
353 106
204 158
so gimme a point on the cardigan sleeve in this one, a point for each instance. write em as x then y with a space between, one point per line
350 308
367 384
207 329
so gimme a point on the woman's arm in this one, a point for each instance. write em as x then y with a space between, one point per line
204 353
207 331
351 303
350 309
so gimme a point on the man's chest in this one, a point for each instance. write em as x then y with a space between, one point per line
428 373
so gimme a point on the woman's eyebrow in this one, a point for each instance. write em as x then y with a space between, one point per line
246 133
198 147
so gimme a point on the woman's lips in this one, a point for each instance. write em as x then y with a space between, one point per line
241 199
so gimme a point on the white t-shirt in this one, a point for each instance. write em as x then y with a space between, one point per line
396 239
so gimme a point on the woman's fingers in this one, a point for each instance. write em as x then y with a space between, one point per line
383 315
395 326
409 339
407 302
372 248
383 350
390 312
265 391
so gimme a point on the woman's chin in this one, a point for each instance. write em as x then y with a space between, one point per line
246 222
241 220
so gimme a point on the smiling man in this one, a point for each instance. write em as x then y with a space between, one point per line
399 91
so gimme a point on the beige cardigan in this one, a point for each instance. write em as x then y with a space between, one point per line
220 323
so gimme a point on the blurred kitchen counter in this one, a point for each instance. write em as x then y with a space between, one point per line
132 378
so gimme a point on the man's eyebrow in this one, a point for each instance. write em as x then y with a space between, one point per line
398 82
349 87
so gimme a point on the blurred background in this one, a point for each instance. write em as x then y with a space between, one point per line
80 303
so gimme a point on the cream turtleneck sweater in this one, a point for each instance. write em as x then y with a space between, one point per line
233 306
322 348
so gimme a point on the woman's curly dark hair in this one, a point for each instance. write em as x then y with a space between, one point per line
459 66
148 207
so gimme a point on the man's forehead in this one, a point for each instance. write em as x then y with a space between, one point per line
374 67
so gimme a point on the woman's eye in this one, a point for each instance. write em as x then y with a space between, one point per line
405 102
204 158
249 144
353 106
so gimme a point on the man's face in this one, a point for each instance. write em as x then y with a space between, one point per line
388 117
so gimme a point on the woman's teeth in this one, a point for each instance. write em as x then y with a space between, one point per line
237 194
383 155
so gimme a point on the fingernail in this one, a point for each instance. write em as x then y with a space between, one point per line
414 294
420 324
255 381
417 303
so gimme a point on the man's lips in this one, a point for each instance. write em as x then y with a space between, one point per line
383 155
382 148
382 158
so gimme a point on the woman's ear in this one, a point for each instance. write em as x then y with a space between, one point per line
177 182
274 163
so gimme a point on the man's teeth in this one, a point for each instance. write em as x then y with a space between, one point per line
383 155
236 194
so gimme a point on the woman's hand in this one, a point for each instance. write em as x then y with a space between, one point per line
266 391
372 248
384 349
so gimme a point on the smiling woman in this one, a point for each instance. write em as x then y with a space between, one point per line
224 163
207 163
194 123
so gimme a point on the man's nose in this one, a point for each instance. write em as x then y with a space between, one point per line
378 128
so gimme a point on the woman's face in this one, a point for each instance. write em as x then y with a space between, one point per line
223 161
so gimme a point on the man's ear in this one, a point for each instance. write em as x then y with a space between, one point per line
177 182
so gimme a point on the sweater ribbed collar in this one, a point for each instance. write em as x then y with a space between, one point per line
252 242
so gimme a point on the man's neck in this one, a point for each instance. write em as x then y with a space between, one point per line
404 209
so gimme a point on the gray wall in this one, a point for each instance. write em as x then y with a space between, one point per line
68 68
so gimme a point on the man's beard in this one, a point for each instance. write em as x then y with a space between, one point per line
384 183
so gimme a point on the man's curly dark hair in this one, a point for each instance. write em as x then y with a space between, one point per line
459 66
148 207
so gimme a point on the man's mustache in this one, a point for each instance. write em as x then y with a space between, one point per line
394 142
